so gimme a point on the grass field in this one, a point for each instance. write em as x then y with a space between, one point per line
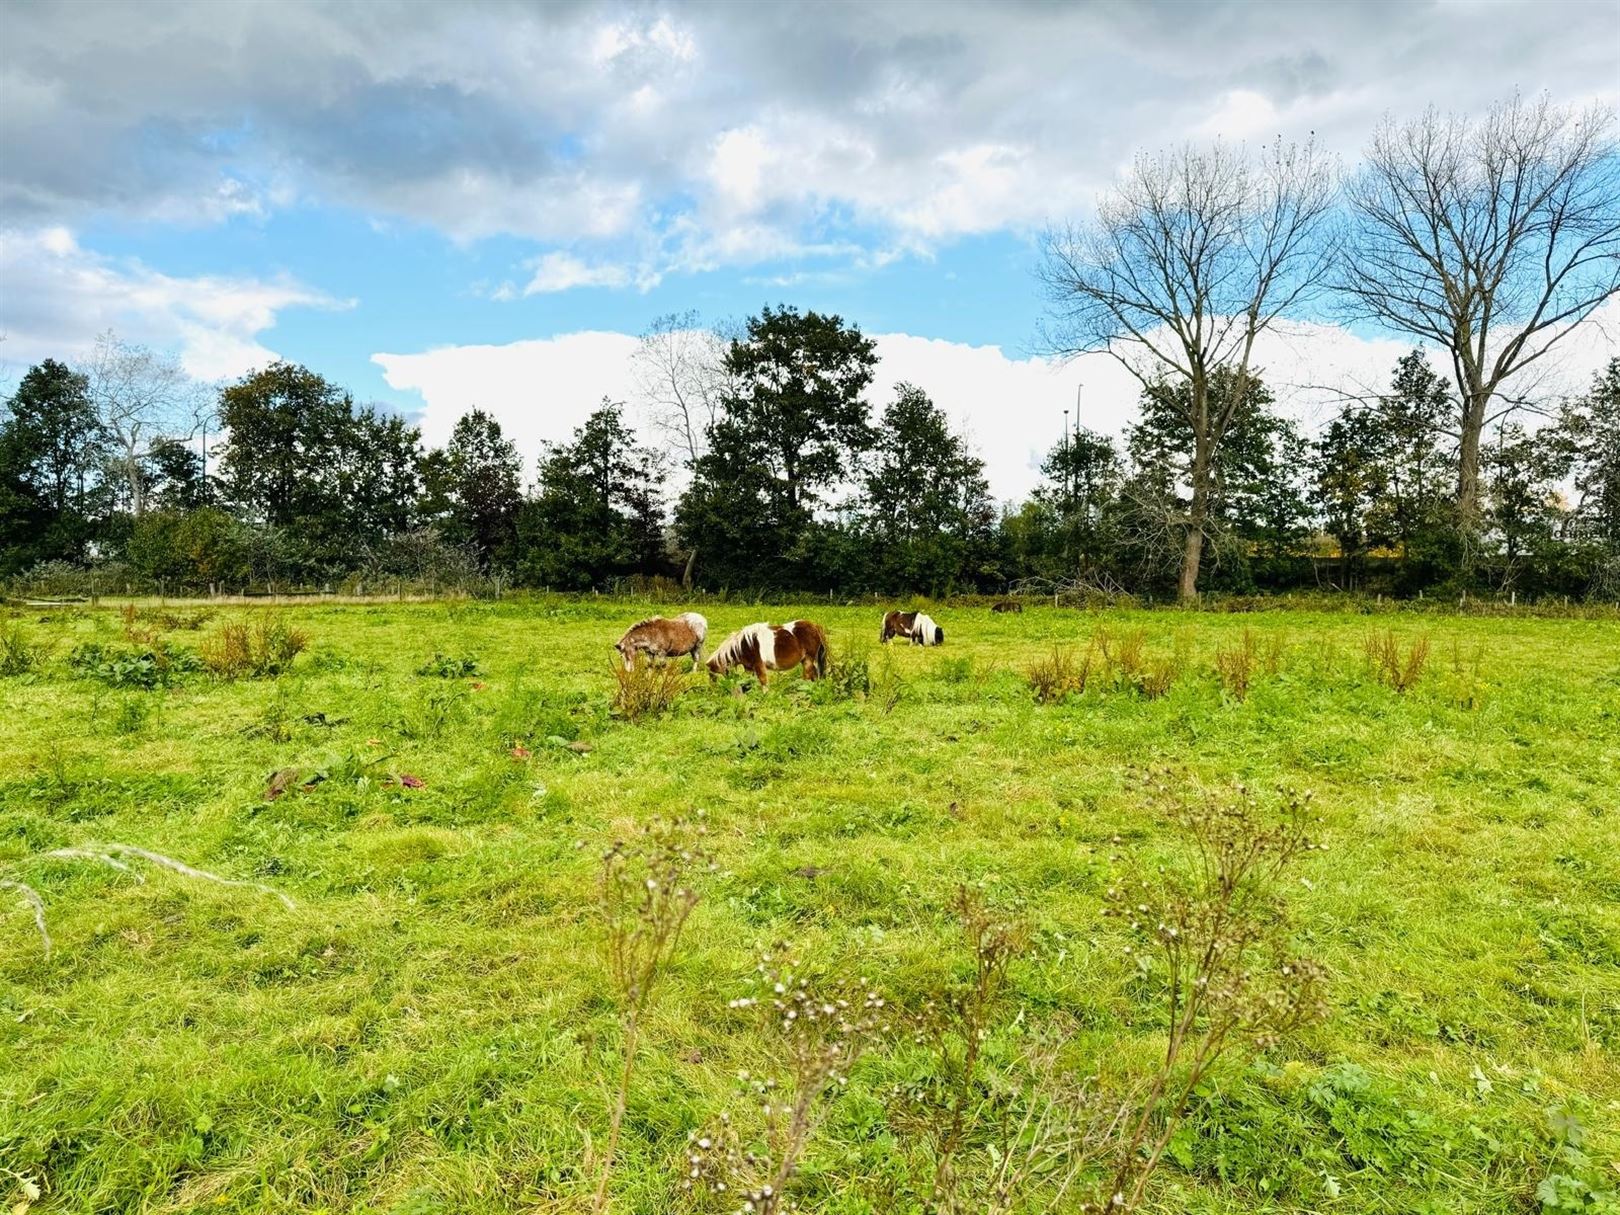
430 1029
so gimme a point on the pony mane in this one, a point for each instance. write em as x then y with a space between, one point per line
730 650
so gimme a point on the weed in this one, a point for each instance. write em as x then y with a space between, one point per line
1467 687
1230 982
957 1024
817 1033
1057 678
1234 666
849 673
958 669
133 713
645 690
1158 676
154 666
442 666
18 653
262 650
645 896
1125 653
1391 665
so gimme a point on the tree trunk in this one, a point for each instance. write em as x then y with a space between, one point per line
1473 426
1198 511
1187 590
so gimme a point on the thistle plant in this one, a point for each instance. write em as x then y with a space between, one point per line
645 896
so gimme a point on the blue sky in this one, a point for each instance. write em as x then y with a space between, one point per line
425 201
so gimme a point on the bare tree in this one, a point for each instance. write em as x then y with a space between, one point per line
1490 239
1193 255
680 369
140 396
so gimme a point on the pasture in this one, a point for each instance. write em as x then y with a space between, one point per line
431 1029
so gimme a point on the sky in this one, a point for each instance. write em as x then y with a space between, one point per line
482 203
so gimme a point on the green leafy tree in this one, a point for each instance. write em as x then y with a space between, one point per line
299 457
598 513
173 476
926 509
1250 490
52 451
793 425
1347 480
1070 531
1592 426
480 475
1524 509
1413 513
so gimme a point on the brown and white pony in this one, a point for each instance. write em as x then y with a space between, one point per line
925 632
658 637
916 627
761 647
896 624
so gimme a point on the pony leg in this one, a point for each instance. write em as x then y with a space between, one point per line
759 674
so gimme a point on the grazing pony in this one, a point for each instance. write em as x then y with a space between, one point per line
925 632
1006 605
761 647
917 627
658 637
897 624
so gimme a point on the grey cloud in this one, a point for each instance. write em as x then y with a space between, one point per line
921 120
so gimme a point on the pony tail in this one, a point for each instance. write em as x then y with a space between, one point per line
821 658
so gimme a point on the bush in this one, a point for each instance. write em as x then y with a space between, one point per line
262 650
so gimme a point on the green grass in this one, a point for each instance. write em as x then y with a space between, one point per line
431 1029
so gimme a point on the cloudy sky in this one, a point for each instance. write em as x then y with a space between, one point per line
447 204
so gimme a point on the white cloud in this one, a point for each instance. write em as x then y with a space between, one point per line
1011 408
564 271
58 296
538 390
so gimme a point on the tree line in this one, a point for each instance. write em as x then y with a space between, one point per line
1484 242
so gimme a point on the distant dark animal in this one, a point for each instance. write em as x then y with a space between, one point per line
659 637
897 624
925 632
1006 605
761 647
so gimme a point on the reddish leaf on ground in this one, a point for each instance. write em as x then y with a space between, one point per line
411 782
519 751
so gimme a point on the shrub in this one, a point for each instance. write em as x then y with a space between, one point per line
262 650
645 690
1391 665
